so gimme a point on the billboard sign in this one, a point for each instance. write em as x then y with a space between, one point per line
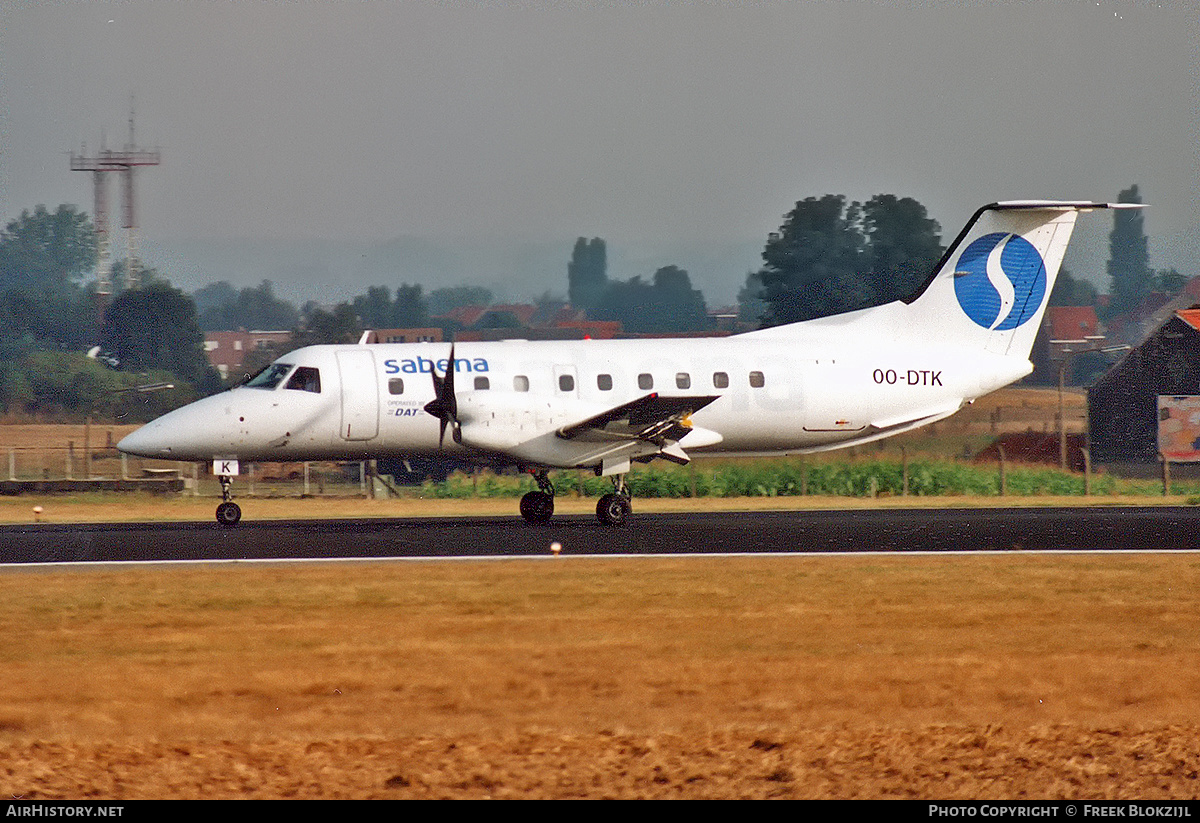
1179 428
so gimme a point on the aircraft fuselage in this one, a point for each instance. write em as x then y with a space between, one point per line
369 400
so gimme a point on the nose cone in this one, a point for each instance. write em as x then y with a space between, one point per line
183 434
151 440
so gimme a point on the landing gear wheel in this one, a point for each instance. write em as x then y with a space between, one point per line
537 507
228 514
613 510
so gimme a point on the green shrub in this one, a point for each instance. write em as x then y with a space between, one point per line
793 477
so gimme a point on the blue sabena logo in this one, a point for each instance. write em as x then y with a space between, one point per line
1000 281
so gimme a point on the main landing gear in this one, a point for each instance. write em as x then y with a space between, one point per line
538 507
228 512
613 509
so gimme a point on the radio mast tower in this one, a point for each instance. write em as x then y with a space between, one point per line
101 165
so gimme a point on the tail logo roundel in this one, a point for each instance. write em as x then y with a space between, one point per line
1000 281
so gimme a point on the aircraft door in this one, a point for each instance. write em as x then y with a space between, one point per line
360 394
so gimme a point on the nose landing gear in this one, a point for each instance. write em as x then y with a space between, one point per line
228 512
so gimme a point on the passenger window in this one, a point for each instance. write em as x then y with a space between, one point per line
395 386
604 382
305 378
645 381
720 380
756 379
683 380
521 383
566 382
482 383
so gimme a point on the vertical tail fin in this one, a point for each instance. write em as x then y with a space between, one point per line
991 287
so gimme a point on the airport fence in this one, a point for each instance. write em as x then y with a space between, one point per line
31 467
783 477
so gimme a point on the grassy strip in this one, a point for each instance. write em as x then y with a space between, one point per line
728 485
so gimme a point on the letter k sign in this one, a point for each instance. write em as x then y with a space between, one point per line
225 468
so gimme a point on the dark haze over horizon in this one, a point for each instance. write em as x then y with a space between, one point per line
326 146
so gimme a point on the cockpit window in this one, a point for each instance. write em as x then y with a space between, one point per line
269 377
305 378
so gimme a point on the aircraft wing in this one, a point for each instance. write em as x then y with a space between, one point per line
652 417
652 420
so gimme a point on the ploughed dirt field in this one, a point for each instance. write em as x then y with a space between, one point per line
1002 676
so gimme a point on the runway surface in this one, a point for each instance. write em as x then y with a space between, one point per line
1145 528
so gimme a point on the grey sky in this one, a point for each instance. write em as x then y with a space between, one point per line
656 125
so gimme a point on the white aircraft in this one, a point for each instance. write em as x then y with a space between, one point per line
604 404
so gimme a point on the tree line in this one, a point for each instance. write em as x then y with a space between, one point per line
57 333
830 255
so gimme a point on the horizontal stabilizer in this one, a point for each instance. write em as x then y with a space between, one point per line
1060 205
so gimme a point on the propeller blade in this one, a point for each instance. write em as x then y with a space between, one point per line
451 400
444 405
